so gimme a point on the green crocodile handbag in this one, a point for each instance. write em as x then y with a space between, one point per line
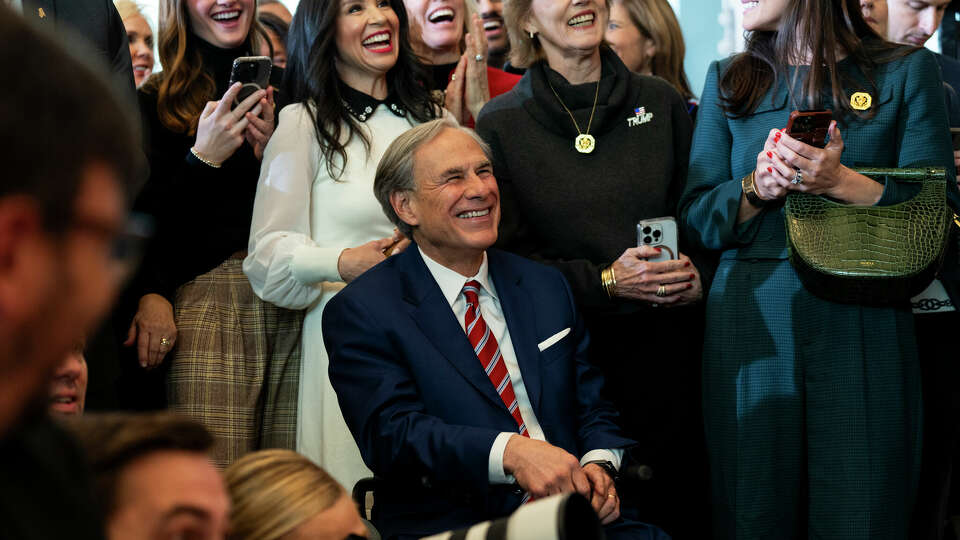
870 255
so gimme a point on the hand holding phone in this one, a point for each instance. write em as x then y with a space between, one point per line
810 127
659 233
253 72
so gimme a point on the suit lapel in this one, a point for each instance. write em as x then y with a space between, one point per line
518 310
42 11
436 320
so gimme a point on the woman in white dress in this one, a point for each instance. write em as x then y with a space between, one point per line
355 87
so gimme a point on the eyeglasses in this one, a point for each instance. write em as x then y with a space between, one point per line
127 245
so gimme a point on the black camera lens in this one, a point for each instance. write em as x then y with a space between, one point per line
647 240
646 230
656 234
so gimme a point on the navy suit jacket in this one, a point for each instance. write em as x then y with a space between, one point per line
420 406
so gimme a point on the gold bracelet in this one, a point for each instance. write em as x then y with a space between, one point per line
609 280
214 164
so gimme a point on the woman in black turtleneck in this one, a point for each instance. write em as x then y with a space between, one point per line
195 303
576 207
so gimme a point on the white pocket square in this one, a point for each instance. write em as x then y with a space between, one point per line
553 339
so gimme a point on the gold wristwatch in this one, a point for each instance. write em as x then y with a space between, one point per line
749 186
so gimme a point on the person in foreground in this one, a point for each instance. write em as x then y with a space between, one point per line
812 407
61 212
282 495
154 476
461 370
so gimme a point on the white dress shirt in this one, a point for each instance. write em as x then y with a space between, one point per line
451 285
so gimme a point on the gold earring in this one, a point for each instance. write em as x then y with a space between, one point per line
532 34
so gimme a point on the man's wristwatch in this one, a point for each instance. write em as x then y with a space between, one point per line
606 466
749 186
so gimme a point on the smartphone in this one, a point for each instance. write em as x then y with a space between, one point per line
810 127
660 233
955 133
253 72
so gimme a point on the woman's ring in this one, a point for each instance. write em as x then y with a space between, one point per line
798 179
478 58
164 342
662 291
610 495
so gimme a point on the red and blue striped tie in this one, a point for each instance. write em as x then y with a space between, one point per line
488 352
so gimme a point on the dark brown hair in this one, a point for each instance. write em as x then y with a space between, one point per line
113 441
827 28
311 78
183 88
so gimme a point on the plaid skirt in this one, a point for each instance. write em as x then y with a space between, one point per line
236 365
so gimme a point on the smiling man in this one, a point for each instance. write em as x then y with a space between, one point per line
461 370
498 43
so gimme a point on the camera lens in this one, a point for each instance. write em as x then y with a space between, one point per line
656 234
647 240
646 230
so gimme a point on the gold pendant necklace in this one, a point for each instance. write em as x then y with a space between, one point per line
584 143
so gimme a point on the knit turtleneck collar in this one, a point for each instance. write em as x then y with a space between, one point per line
218 62
579 98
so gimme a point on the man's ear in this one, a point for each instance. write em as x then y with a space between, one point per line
405 207
21 226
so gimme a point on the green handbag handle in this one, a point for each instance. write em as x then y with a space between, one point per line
905 175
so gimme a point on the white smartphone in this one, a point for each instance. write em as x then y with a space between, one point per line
660 233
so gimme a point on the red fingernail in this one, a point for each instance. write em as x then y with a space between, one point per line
769 154
658 250
689 285
776 138
692 276
686 264
769 169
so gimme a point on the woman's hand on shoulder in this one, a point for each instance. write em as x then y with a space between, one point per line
262 120
639 279
153 330
357 260
221 130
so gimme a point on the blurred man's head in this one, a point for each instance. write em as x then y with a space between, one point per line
912 22
69 151
68 390
154 477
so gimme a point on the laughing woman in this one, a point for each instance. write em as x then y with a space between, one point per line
204 155
583 150
456 59
316 224
812 407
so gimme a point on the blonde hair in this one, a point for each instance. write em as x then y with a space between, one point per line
657 22
127 9
524 50
275 491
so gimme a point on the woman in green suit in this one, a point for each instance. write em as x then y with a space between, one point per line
812 408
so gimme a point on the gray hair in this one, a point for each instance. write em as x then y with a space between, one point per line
395 170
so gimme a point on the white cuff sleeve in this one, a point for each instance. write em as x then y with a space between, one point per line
495 464
313 264
614 456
